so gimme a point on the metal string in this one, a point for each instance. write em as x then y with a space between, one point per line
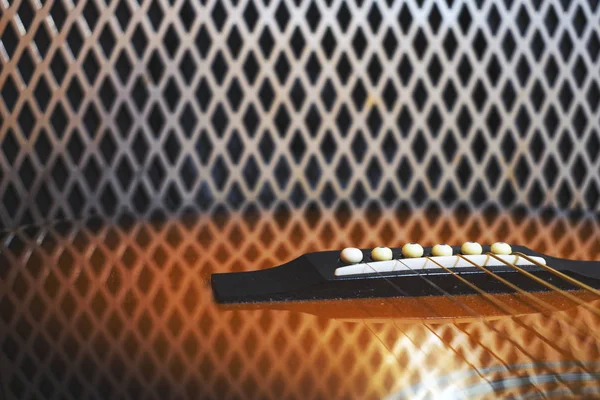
561 275
496 303
570 323
473 367
548 285
505 307
530 296
474 314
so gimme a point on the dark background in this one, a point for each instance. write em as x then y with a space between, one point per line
138 106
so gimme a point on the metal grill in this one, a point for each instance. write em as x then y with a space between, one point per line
124 105
96 310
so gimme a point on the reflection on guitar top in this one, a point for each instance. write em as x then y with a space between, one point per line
126 309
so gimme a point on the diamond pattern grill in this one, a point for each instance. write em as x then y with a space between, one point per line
177 104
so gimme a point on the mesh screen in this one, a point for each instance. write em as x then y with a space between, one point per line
95 310
126 105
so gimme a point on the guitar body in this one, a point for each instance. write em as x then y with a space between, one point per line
102 310
509 330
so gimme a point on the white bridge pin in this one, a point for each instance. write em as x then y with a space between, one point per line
381 254
471 248
351 255
440 250
501 248
412 250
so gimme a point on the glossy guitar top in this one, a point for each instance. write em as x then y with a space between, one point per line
99 310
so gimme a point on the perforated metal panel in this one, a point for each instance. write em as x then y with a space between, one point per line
163 104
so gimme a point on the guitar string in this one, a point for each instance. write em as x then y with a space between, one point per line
570 322
503 362
469 309
523 292
561 275
564 293
406 336
489 299
448 345
470 364
497 304
536 279
507 308
432 331
565 317
506 365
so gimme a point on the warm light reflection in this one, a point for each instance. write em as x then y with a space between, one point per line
129 305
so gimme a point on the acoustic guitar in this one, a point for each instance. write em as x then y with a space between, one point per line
513 302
